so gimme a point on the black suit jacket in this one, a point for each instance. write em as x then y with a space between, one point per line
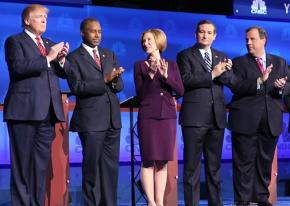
33 85
97 105
203 96
248 103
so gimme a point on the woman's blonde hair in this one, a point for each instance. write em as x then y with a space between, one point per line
159 37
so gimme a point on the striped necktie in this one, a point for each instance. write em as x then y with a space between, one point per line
207 61
97 59
40 46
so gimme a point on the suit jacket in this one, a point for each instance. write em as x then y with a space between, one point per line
156 95
97 105
248 103
33 85
203 97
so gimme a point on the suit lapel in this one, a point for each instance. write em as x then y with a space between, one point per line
268 60
272 74
31 43
215 58
196 53
88 57
253 64
144 67
102 58
46 45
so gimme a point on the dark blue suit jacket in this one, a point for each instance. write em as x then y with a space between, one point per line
249 104
33 85
203 96
97 105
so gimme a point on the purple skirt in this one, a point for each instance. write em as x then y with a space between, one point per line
156 139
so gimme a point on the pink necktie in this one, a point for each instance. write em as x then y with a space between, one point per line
97 59
40 46
259 60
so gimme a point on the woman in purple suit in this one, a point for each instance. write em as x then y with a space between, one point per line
157 81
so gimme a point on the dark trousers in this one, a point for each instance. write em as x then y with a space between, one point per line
100 167
30 153
252 164
209 141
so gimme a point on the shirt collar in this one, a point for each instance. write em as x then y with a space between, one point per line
90 50
263 57
32 36
202 51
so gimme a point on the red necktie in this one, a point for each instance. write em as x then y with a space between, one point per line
259 60
40 46
97 59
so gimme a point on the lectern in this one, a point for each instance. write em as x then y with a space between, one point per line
57 192
131 103
170 198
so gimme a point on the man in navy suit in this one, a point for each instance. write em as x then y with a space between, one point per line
203 113
32 105
95 79
255 117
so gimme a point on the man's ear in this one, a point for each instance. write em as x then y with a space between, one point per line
26 22
214 36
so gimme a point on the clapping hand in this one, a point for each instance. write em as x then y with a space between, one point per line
115 73
153 65
63 53
163 69
228 64
280 83
54 51
267 72
219 69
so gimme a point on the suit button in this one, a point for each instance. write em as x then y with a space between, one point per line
161 93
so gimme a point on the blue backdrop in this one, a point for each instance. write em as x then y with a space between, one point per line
122 29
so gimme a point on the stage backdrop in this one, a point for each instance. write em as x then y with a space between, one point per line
122 29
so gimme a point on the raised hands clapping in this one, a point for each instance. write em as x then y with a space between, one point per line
163 69
157 65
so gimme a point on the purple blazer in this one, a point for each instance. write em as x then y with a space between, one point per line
156 95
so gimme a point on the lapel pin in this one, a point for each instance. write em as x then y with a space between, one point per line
103 55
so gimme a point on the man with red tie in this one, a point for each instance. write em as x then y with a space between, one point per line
95 79
255 117
32 105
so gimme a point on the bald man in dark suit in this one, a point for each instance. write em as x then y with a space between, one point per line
95 80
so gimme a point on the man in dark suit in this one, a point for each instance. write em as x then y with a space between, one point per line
255 117
94 80
203 113
32 105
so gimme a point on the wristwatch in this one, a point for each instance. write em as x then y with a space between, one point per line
260 81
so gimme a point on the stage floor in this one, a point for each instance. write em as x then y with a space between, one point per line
124 187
